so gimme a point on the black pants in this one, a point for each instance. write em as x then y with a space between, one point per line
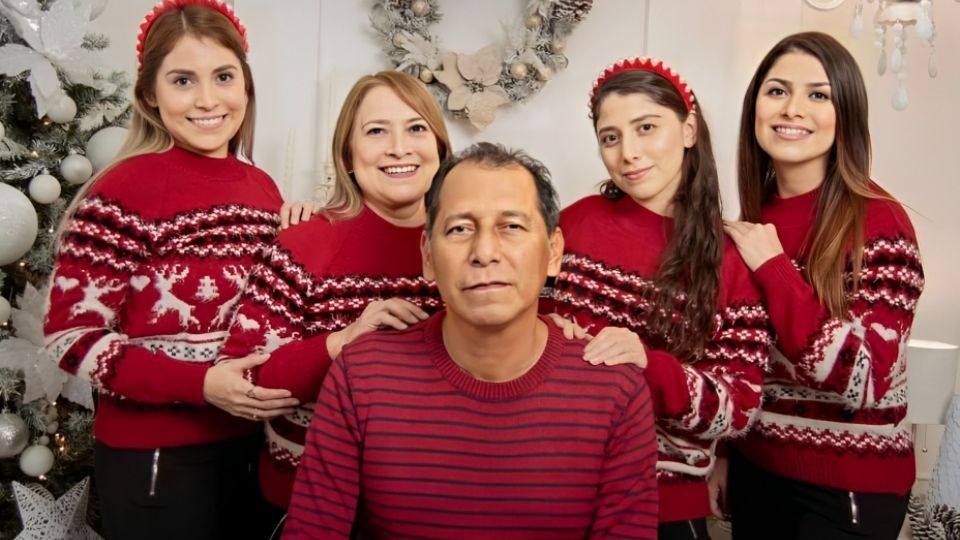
206 491
764 505
689 529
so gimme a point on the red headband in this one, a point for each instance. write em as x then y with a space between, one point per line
169 5
645 64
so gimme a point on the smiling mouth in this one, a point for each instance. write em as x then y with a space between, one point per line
636 174
792 132
400 171
209 122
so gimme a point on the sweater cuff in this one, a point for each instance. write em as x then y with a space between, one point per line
668 384
148 377
775 272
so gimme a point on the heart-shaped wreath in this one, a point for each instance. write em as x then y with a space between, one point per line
474 85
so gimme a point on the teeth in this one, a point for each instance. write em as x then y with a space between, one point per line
207 122
400 170
796 132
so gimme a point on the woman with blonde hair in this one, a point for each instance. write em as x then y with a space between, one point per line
351 270
152 258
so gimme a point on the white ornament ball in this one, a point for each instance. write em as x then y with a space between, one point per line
426 75
420 8
62 110
43 440
96 8
104 145
52 427
534 22
4 316
52 413
3 131
518 70
76 169
44 188
36 460
18 224
13 434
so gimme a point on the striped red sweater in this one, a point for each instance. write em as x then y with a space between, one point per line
421 449
147 276
317 278
613 249
835 403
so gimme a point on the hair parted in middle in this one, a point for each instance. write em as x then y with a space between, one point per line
688 278
346 200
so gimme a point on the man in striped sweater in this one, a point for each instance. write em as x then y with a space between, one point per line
482 421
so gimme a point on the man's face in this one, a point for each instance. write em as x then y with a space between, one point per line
489 251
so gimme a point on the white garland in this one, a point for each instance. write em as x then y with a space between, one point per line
474 85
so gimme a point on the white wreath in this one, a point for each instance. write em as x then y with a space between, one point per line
472 86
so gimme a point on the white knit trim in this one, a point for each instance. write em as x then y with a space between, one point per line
185 347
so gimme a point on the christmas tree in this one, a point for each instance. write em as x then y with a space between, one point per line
60 113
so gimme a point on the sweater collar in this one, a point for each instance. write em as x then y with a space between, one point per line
630 212
227 168
796 210
484 390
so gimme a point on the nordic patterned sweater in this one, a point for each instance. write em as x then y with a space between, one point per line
317 279
147 277
612 252
835 403
406 444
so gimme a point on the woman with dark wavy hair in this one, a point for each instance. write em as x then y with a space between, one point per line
647 271
837 261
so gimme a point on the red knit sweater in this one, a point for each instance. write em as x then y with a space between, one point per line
317 279
147 276
421 449
613 250
835 402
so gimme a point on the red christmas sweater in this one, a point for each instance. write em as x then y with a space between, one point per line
613 250
147 277
835 403
408 445
317 279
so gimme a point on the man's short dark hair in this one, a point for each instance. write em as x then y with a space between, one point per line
497 156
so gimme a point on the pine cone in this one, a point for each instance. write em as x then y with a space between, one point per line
949 519
575 10
921 525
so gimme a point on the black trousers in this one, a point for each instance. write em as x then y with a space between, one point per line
764 505
206 491
688 529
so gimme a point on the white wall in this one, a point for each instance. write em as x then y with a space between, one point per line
306 53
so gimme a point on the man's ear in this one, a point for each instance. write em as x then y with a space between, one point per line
426 257
556 252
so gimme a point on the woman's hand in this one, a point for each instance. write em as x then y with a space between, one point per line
612 346
756 242
224 386
394 313
571 330
717 488
293 213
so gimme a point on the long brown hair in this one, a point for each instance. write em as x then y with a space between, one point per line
146 133
837 233
346 200
688 278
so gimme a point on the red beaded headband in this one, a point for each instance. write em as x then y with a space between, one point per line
645 64
169 5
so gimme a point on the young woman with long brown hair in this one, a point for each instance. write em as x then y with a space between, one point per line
836 258
647 270
152 259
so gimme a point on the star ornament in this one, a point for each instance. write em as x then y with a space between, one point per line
46 518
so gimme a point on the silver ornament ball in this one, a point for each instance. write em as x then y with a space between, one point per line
44 188
104 145
62 110
13 434
518 70
420 8
76 169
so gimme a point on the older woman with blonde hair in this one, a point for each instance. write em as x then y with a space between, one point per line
347 272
